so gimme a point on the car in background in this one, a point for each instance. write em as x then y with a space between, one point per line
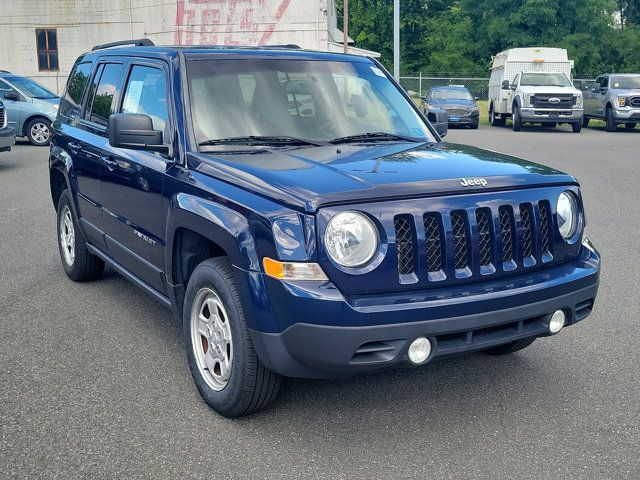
7 134
457 101
30 106
614 98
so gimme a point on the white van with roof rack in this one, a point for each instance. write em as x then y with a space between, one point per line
534 85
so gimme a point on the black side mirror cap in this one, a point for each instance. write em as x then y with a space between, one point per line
135 131
11 95
440 120
506 85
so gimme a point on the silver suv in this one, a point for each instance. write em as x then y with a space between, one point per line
614 98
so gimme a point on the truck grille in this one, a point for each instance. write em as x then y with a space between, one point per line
634 102
543 101
506 235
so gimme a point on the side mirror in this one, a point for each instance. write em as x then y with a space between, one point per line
439 119
506 85
11 95
476 99
135 131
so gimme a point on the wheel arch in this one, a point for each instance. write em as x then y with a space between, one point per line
32 117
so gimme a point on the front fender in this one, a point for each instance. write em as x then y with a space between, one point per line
225 227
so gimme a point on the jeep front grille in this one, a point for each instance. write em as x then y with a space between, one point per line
2 118
404 244
433 239
504 237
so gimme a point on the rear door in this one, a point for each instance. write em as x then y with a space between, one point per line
132 180
89 141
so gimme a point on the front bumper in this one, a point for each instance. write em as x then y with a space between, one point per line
338 337
627 114
471 119
7 139
551 115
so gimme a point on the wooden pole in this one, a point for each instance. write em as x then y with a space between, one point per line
345 27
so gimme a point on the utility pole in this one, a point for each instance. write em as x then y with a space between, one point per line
345 26
396 39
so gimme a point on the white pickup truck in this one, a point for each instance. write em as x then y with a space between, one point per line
533 85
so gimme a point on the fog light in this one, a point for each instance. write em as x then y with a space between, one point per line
419 350
557 321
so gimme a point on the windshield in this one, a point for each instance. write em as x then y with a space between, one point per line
455 93
545 80
30 88
625 82
318 101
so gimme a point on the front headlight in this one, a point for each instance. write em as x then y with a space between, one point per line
351 239
567 211
622 101
527 99
579 101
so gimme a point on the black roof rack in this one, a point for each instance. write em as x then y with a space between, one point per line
142 42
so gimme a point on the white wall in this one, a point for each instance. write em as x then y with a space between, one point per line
81 24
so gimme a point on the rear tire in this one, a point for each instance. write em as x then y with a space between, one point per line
78 263
611 124
585 122
517 122
495 122
510 347
630 126
576 127
225 367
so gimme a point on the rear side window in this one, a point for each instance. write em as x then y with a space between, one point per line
100 106
72 99
146 92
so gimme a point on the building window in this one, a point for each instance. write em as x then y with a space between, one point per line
47 43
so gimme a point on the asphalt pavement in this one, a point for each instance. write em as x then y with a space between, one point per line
94 380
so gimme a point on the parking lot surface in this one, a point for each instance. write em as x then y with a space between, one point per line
95 383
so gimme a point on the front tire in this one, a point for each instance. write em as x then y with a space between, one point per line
630 126
585 122
38 132
78 263
510 347
517 121
576 127
225 367
611 124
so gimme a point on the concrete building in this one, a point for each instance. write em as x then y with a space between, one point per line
42 38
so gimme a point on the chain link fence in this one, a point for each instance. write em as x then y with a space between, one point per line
418 85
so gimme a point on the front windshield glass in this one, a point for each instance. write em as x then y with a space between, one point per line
319 101
455 93
625 82
30 88
545 80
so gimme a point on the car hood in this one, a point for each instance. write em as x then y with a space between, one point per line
307 178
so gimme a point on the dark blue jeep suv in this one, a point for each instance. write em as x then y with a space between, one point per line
301 216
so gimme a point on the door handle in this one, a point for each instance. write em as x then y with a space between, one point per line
109 162
74 146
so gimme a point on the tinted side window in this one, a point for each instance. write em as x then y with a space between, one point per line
146 92
72 99
4 88
605 82
101 104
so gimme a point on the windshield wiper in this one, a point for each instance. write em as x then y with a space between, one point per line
263 140
374 137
